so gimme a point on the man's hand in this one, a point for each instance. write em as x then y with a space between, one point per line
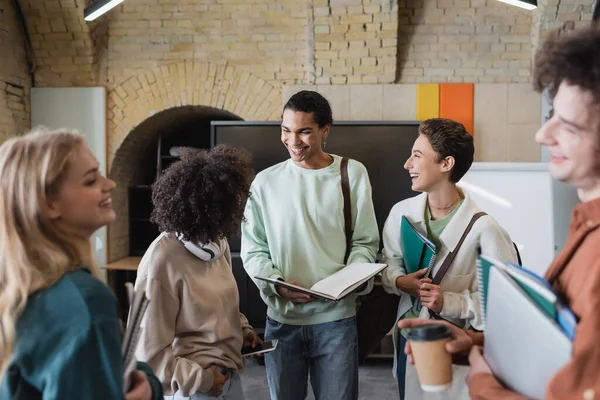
140 387
411 283
477 363
220 380
460 342
293 296
431 297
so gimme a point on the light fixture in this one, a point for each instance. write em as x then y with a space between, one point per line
526 4
99 7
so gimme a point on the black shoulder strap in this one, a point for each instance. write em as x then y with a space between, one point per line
347 207
518 254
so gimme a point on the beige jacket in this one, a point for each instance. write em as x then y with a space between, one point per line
193 319
459 286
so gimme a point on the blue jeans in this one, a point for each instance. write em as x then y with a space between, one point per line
232 390
328 351
401 365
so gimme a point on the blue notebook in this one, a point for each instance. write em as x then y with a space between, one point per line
418 251
538 290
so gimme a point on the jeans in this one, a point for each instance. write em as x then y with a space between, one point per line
232 390
329 352
401 366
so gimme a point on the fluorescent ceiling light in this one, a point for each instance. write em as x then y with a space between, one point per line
526 4
99 7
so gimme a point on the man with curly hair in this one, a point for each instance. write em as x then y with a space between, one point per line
294 231
193 331
569 66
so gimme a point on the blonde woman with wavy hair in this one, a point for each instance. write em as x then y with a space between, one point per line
59 325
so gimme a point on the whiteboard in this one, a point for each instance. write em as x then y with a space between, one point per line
520 197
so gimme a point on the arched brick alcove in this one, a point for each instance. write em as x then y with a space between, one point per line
171 98
135 162
190 83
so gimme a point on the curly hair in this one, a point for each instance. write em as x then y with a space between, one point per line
450 138
572 57
203 196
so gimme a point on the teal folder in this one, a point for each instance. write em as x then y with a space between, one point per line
418 251
537 289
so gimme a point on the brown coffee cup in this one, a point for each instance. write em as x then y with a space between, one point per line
432 361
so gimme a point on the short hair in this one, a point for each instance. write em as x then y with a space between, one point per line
450 138
203 196
309 101
572 57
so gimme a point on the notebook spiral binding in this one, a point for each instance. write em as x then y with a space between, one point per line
481 284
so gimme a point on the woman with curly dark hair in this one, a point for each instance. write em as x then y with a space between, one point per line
193 331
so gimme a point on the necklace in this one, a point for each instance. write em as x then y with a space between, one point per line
447 207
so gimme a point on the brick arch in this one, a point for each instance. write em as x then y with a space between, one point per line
187 84
66 48
135 162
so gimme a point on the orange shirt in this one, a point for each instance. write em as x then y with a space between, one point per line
575 275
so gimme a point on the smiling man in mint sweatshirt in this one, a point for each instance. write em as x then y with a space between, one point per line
294 230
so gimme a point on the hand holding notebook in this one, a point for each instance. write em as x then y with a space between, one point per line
523 346
337 286
418 251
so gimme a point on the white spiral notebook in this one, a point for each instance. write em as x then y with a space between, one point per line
523 346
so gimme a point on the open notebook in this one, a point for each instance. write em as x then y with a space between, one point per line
337 286
138 303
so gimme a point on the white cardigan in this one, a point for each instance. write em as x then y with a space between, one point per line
459 286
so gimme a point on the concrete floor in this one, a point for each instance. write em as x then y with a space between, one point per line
375 381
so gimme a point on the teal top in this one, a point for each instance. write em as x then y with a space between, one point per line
435 227
68 345
294 230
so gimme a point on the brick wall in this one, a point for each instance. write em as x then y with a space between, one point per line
15 78
464 41
330 41
188 83
63 45
560 14
355 41
298 41
266 38
372 41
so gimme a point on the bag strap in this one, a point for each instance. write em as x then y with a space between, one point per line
518 254
347 207
450 257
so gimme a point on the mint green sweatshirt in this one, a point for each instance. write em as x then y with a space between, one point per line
294 230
